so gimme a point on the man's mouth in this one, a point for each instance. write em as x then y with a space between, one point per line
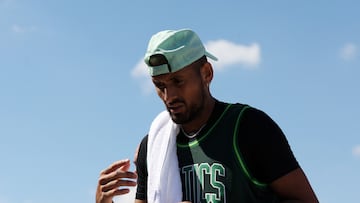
176 108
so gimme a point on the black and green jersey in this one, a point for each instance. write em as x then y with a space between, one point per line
233 159
211 165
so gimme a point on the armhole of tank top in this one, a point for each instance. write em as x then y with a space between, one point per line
238 153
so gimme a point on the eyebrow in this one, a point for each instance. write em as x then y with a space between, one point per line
156 81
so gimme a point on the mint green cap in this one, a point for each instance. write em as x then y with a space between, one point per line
180 48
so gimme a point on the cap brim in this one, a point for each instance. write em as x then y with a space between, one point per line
211 56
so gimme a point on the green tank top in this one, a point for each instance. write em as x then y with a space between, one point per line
211 166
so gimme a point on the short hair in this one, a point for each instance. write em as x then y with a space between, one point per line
157 60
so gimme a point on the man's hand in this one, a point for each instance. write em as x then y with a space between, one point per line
112 180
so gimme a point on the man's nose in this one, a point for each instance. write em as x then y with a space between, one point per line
170 94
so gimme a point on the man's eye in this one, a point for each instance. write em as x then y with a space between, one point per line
160 87
178 82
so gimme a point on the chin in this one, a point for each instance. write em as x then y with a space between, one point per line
178 118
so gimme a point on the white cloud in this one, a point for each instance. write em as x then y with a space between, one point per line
17 29
141 74
228 53
348 52
356 151
21 29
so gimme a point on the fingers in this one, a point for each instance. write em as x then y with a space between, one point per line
115 184
106 197
117 171
113 181
114 192
124 164
119 174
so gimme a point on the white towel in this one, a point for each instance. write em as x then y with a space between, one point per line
164 184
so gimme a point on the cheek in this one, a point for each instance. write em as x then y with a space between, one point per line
193 93
160 94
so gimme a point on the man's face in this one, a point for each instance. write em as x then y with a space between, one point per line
182 92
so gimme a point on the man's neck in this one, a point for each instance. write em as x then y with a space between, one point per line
202 119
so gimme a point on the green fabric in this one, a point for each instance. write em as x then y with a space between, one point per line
180 48
211 166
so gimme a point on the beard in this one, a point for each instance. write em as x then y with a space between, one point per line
192 110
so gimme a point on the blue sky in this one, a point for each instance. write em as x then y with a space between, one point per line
74 96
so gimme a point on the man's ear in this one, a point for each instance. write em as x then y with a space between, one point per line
207 73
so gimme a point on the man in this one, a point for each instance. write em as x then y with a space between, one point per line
202 149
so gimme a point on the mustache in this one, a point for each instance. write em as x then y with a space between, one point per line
175 101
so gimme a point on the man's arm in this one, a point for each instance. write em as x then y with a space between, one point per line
135 160
294 187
